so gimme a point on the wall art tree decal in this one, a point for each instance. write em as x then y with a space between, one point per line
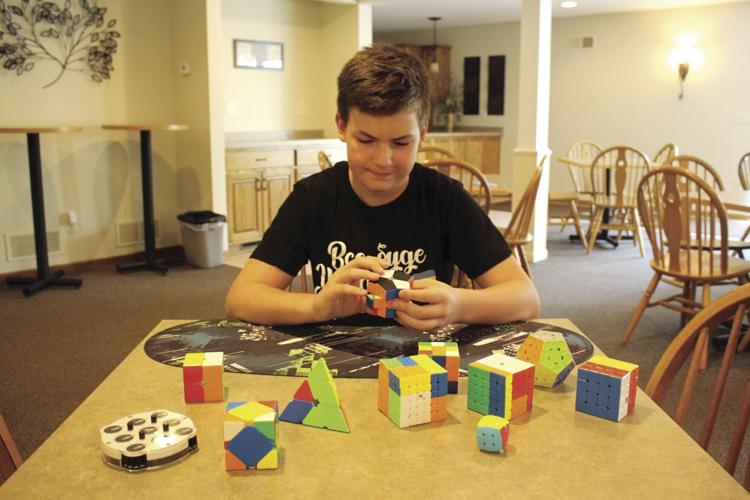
74 37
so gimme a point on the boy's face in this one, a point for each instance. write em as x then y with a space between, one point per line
381 152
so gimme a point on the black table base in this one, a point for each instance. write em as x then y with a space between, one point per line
160 266
44 279
37 284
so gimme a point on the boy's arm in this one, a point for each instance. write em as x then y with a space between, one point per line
507 294
258 294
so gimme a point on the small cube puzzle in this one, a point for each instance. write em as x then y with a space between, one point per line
492 433
549 352
316 403
382 293
412 390
251 435
203 377
607 387
501 385
447 355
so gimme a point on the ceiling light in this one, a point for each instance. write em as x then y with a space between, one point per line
434 66
569 5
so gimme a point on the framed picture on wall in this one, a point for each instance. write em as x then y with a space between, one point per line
254 54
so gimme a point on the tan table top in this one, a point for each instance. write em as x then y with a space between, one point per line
497 188
553 452
38 130
735 200
171 126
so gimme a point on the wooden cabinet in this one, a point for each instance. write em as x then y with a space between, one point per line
481 150
259 180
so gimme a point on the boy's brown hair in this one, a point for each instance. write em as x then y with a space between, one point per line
383 80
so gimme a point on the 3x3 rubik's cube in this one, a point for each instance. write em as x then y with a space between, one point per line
447 355
412 390
607 387
500 385
203 377
382 293
251 435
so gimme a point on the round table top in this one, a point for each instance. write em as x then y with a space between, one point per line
168 126
37 130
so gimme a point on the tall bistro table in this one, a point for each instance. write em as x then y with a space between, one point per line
44 278
149 237
553 451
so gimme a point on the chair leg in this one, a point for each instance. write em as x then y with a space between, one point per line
637 233
686 295
577 222
704 332
642 305
595 223
10 458
524 263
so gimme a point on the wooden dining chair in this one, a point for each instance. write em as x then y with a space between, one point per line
615 174
744 171
699 167
467 174
323 161
689 344
475 183
664 155
10 458
686 224
566 207
516 232
427 153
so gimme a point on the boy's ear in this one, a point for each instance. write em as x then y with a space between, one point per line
422 134
341 126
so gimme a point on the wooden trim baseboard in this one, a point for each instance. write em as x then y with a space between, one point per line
75 268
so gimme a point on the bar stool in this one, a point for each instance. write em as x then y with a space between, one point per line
44 278
149 261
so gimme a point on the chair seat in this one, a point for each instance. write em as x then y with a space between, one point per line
735 267
731 244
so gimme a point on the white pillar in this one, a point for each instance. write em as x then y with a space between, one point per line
533 116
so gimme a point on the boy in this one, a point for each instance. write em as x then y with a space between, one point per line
380 210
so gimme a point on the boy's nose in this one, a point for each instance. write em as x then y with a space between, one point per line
384 155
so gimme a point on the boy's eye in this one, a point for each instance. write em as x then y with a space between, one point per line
365 141
401 143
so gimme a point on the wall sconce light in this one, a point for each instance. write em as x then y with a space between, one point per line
682 70
685 57
434 66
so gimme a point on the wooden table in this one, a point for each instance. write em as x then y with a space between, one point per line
735 200
149 258
553 452
43 278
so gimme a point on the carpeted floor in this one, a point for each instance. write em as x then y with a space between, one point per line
56 347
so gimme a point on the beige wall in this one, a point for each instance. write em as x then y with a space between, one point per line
95 173
623 91
318 38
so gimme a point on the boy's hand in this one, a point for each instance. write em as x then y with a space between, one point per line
440 305
342 296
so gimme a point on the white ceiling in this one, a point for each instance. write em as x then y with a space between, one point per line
404 15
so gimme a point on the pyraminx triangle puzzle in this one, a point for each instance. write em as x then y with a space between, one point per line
316 402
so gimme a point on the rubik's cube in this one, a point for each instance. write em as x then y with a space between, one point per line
501 385
251 435
382 293
607 387
316 403
412 390
492 433
447 355
549 352
203 377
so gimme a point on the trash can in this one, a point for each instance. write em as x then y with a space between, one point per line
203 238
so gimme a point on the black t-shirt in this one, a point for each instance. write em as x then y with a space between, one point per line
433 224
